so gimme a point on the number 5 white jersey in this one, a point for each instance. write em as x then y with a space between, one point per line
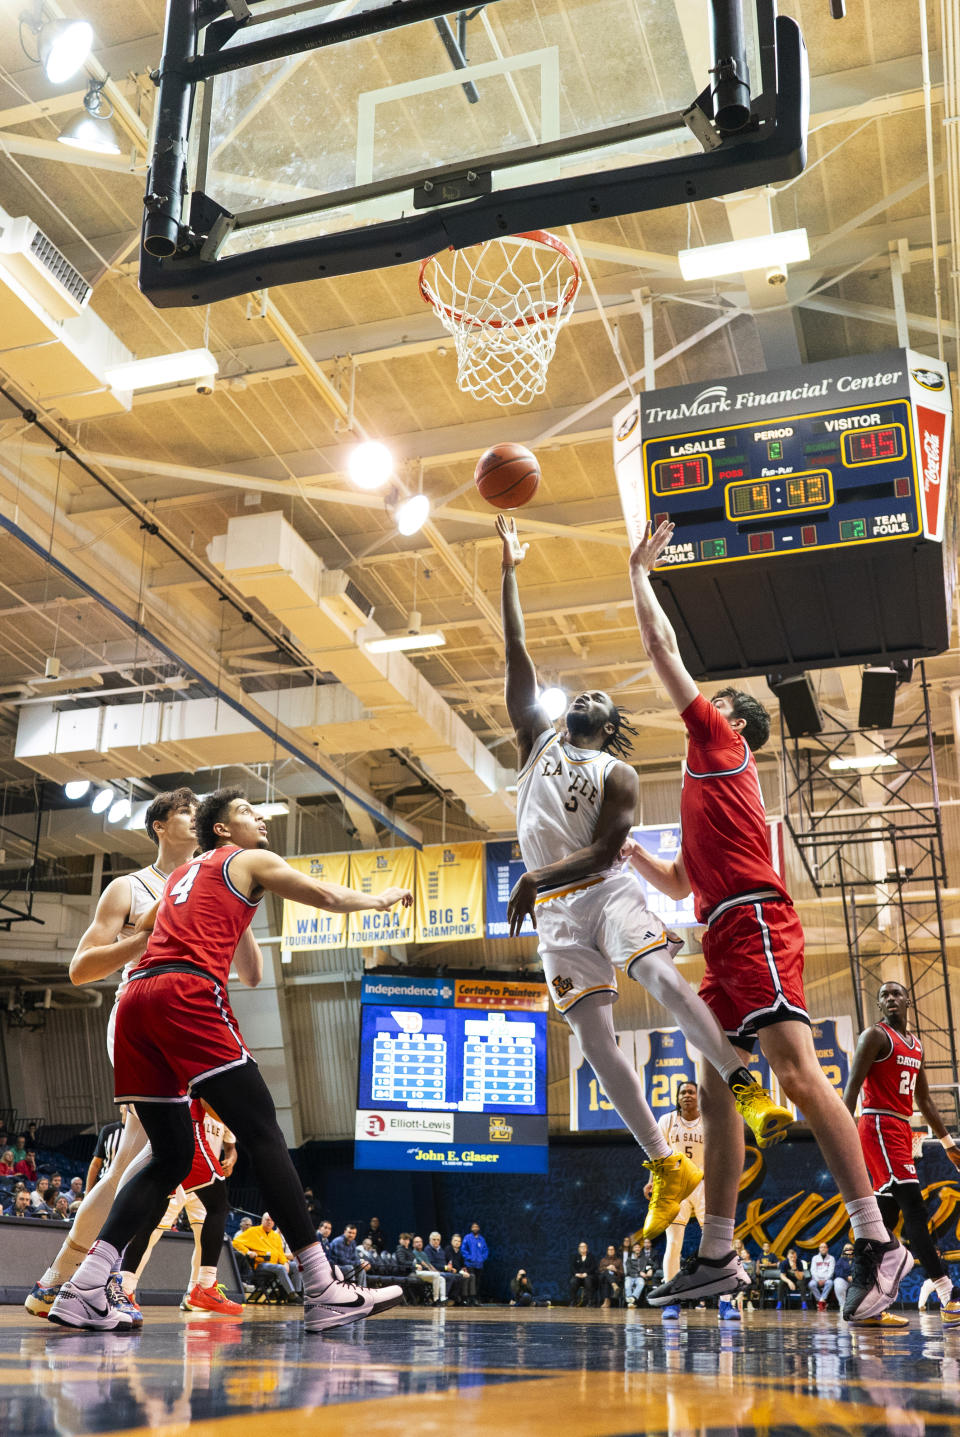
683 1137
559 793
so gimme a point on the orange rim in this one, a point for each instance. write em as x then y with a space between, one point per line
542 237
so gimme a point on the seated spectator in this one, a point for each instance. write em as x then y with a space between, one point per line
21 1205
768 1274
633 1280
56 1182
32 1134
456 1262
822 1268
36 1197
610 1276
376 1235
49 1208
348 1257
324 1234
26 1167
427 1273
650 1269
404 1262
19 1146
436 1253
521 1293
263 1245
6 1163
313 1207
75 1194
62 1208
367 1250
583 1279
842 1270
245 1222
793 1279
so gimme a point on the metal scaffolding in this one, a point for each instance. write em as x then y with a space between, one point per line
864 811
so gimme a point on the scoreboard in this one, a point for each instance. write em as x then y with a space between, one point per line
801 500
452 1074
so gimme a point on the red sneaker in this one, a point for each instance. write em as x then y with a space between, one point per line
211 1299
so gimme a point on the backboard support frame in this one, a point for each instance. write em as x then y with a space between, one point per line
184 230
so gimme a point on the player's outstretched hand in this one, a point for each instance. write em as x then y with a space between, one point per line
391 896
513 550
145 922
651 546
521 903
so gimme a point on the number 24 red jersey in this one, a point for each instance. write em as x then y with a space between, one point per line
201 916
890 1081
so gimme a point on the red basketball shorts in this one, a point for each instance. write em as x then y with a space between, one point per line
887 1144
754 968
173 1030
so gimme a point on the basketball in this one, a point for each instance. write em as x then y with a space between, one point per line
507 476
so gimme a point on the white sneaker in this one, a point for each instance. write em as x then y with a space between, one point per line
86 1307
341 1303
702 1277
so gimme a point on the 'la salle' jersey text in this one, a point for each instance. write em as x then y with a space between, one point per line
559 793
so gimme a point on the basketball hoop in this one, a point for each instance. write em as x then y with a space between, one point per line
504 302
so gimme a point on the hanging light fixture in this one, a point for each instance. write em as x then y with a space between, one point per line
102 799
92 130
77 788
62 45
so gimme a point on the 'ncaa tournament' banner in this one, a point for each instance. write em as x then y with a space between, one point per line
371 872
504 868
449 892
306 927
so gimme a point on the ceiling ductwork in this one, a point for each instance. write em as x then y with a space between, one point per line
265 558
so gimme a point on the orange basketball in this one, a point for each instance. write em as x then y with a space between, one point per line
507 476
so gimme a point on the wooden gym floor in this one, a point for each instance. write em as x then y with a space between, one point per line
496 1371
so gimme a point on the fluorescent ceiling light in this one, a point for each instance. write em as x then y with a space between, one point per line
391 643
757 252
413 513
162 369
553 701
63 46
102 799
271 810
370 465
119 810
77 788
864 760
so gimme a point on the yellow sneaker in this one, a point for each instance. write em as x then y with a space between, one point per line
950 1313
674 1178
884 1319
763 1117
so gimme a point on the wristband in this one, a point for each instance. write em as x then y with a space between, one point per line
948 1142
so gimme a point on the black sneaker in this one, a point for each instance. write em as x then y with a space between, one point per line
702 1277
878 1269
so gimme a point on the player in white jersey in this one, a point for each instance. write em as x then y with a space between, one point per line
576 802
112 942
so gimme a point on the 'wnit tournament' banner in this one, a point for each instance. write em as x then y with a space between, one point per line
449 892
307 927
372 873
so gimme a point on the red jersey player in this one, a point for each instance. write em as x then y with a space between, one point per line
753 950
888 1066
177 1038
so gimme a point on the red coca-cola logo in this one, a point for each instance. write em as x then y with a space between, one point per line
932 425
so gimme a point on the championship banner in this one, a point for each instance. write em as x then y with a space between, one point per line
665 1060
371 872
663 842
305 927
590 1108
449 892
833 1041
504 866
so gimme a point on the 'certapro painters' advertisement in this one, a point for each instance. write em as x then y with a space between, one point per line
452 1075
449 892
307 927
371 873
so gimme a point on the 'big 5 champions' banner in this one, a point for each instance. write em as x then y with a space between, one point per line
372 872
449 892
308 927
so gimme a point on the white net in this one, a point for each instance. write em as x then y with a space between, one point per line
504 302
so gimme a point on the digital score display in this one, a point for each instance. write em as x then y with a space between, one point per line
674 476
796 492
874 446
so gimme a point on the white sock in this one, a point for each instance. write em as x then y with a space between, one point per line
95 1270
944 1288
208 1277
865 1219
128 1281
592 1022
716 1236
316 1270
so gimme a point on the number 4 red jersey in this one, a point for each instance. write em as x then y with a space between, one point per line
201 916
890 1081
